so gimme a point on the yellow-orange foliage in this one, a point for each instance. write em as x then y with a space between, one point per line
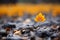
40 18
20 8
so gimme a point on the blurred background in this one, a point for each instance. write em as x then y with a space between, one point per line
19 7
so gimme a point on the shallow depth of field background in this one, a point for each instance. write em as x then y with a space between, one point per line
33 7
